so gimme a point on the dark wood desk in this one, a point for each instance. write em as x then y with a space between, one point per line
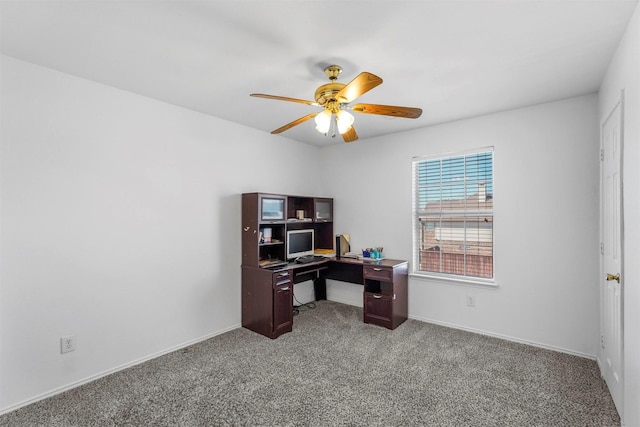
267 295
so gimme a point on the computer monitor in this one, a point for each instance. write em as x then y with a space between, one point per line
299 243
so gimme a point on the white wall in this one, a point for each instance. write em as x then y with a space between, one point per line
546 220
624 74
120 225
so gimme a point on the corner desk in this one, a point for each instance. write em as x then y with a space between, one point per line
267 294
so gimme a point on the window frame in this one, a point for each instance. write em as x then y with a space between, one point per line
416 223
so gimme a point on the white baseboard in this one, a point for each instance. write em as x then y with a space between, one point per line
111 371
490 334
506 337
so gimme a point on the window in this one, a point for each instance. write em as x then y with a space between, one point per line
453 215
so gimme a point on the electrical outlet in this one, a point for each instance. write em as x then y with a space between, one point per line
471 301
67 344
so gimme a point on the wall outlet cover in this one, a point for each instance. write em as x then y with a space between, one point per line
67 344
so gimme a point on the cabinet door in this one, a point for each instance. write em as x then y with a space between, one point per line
377 309
323 210
272 208
257 306
282 310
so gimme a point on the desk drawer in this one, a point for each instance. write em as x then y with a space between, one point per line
281 278
378 273
378 309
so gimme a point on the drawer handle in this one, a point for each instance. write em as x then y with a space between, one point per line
282 282
377 296
284 274
284 289
377 269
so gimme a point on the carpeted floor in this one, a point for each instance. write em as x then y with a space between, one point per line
335 370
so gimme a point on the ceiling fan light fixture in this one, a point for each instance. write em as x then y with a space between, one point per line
344 121
323 122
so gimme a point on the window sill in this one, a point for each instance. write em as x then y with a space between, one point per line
467 281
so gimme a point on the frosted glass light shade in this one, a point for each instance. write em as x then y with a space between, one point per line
344 120
323 121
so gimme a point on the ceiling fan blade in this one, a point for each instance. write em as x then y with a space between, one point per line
388 110
350 135
284 98
295 123
362 84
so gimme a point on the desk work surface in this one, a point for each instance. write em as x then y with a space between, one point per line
343 269
386 262
375 262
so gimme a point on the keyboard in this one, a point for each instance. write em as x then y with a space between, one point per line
309 258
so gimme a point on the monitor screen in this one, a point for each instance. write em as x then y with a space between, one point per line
299 243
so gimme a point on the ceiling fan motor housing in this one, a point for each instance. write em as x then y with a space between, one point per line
326 94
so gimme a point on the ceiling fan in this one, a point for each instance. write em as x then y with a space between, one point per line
334 98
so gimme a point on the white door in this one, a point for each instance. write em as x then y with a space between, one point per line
611 287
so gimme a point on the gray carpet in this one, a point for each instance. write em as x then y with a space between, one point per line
335 370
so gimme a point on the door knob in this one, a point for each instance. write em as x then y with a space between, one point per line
615 277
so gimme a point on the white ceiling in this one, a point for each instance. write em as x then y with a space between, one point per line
454 59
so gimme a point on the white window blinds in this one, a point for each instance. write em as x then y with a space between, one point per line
453 214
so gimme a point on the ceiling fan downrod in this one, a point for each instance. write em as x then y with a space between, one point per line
333 71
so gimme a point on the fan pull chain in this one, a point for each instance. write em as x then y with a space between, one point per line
334 125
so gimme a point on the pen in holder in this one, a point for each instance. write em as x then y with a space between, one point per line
372 253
